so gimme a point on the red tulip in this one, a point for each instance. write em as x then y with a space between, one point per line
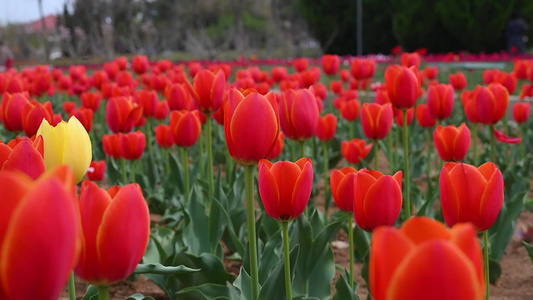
251 125
122 114
139 64
345 75
96 171
527 91
424 117
355 151
85 116
33 115
310 77
363 68
111 145
298 114
502 137
489 104
350 110
39 234
208 90
471 194
14 85
301 64
99 78
336 87
382 97
279 74
179 97
162 110
159 82
132 145
12 108
376 120
521 112
124 78
508 80
343 199
148 100
122 62
452 143
278 148
331 64
164 136
402 86
23 156
410 60
432 72
186 127
399 116
425 260
522 68
440 101
91 100
490 75
327 127
458 81
116 231
285 187
194 68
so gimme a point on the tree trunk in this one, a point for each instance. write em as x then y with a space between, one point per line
44 36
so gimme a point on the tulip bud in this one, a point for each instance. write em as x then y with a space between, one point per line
451 142
355 151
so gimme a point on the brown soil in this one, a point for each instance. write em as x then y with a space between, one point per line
515 283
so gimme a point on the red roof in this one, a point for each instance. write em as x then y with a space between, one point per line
50 22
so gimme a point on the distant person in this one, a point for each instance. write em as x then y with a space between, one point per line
6 57
516 34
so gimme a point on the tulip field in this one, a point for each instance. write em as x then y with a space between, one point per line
378 177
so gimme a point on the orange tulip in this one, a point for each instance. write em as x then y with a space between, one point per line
356 150
285 187
96 171
458 81
39 234
376 120
186 127
425 260
424 117
251 125
327 127
521 112
402 86
452 143
488 104
441 98
132 145
331 64
12 107
208 90
116 231
471 194
298 114
122 114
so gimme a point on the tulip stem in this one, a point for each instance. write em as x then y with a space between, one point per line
133 163
376 151
523 143
149 134
202 161
103 292
302 149
167 161
486 256
288 288
352 130
326 181
124 176
474 140
428 142
406 165
71 287
350 237
391 152
252 241
506 123
210 161
185 161
492 145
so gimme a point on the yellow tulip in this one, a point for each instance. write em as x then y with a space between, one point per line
66 143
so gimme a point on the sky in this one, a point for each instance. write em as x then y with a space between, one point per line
22 11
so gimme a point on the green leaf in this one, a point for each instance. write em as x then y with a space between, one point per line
195 234
273 287
160 269
207 291
495 270
343 289
529 249
139 296
243 284
92 293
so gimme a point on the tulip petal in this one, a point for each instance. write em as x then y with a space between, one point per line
423 229
462 237
42 235
491 201
5 151
77 150
435 266
53 143
302 189
502 137
27 159
363 182
126 217
383 262
449 198
268 189
383 202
